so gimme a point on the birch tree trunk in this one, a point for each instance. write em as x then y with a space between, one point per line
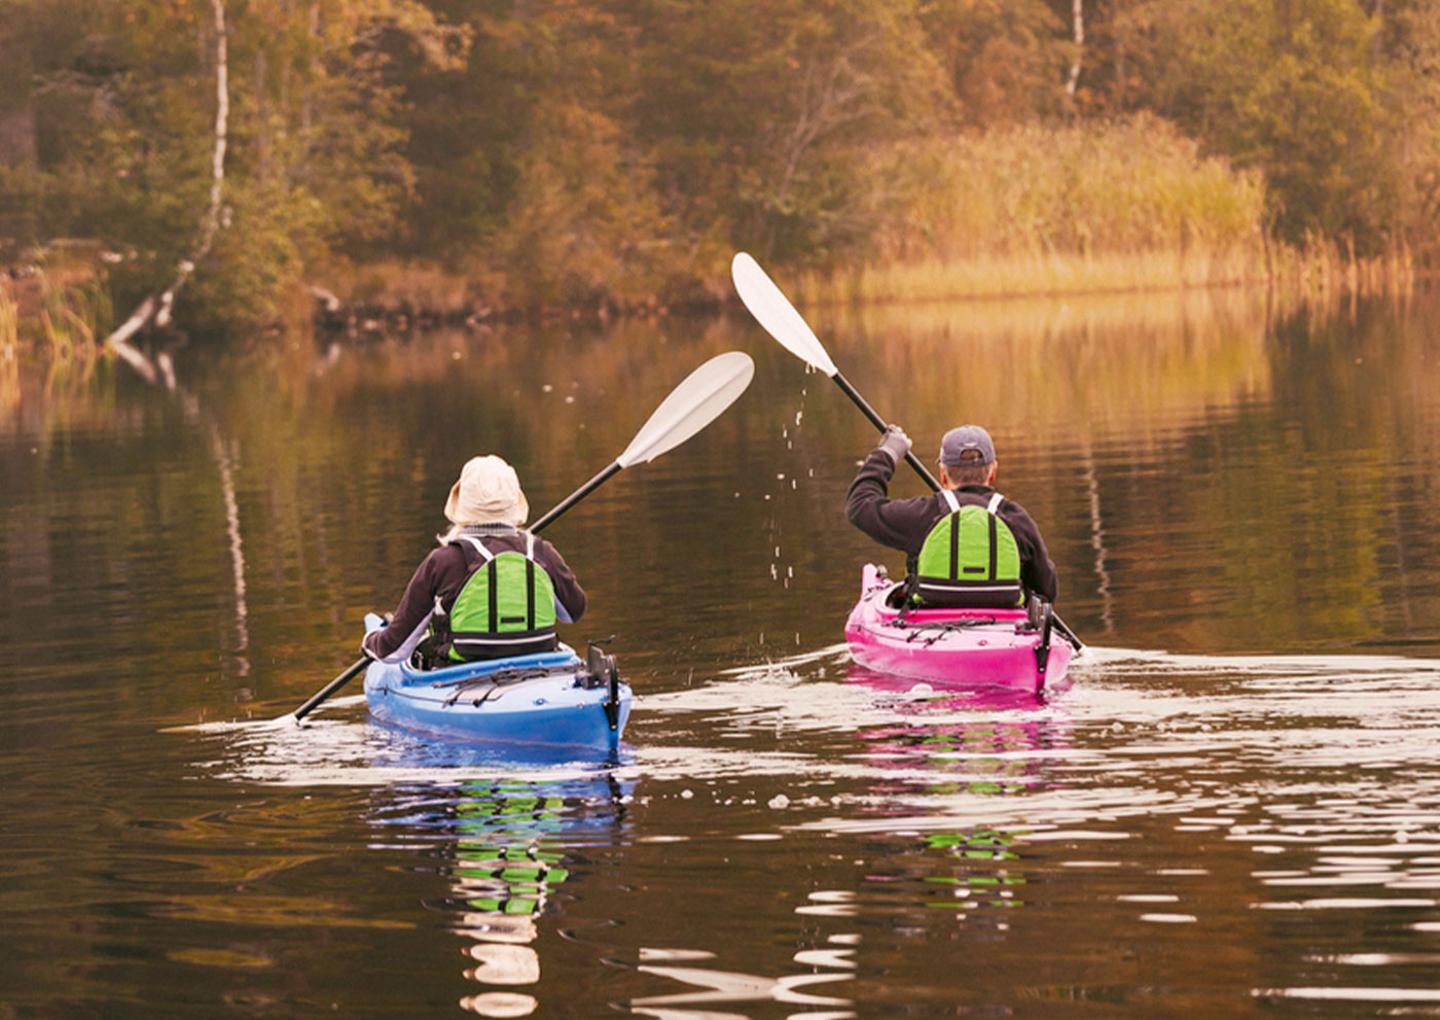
1078 15
159 308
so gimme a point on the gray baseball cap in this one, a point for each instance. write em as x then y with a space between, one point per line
961 445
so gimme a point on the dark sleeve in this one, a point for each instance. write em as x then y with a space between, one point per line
1037 572
415 606
567 589
899 523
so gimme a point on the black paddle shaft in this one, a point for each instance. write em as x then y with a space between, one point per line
600 479
330 688
882 425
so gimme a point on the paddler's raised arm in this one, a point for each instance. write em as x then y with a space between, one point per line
898 523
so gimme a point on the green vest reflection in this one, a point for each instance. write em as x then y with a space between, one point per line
510 857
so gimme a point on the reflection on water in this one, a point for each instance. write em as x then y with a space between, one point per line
974 872
1233 811
506 845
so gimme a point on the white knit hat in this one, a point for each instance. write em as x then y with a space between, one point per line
488 492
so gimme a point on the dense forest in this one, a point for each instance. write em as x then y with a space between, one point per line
533 153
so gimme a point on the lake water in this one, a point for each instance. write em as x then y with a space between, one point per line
1234 811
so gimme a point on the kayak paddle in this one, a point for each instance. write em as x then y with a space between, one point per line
773 310
695 403
701 398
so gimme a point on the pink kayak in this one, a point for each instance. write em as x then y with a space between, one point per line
973 647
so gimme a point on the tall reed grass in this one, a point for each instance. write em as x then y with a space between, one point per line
73 317
1036 210
9 323
9 349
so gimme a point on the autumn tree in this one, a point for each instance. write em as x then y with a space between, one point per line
1291 87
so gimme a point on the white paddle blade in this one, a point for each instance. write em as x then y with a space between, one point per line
773 310
695 403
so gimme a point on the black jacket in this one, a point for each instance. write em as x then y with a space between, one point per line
904 523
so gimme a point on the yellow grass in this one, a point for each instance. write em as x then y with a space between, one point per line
1036 210
9 323
1033 275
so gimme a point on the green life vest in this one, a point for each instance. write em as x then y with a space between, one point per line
507 606
969 559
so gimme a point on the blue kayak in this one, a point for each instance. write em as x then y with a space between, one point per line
552 698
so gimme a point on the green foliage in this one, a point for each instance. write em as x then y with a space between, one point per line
699 126
1290 87
125 111
1410 42
761 116
1004 58
616 151
257 262
580 216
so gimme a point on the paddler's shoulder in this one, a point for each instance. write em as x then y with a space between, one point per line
443 558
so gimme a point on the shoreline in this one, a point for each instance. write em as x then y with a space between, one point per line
62 308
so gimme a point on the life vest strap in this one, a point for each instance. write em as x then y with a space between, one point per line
479 547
